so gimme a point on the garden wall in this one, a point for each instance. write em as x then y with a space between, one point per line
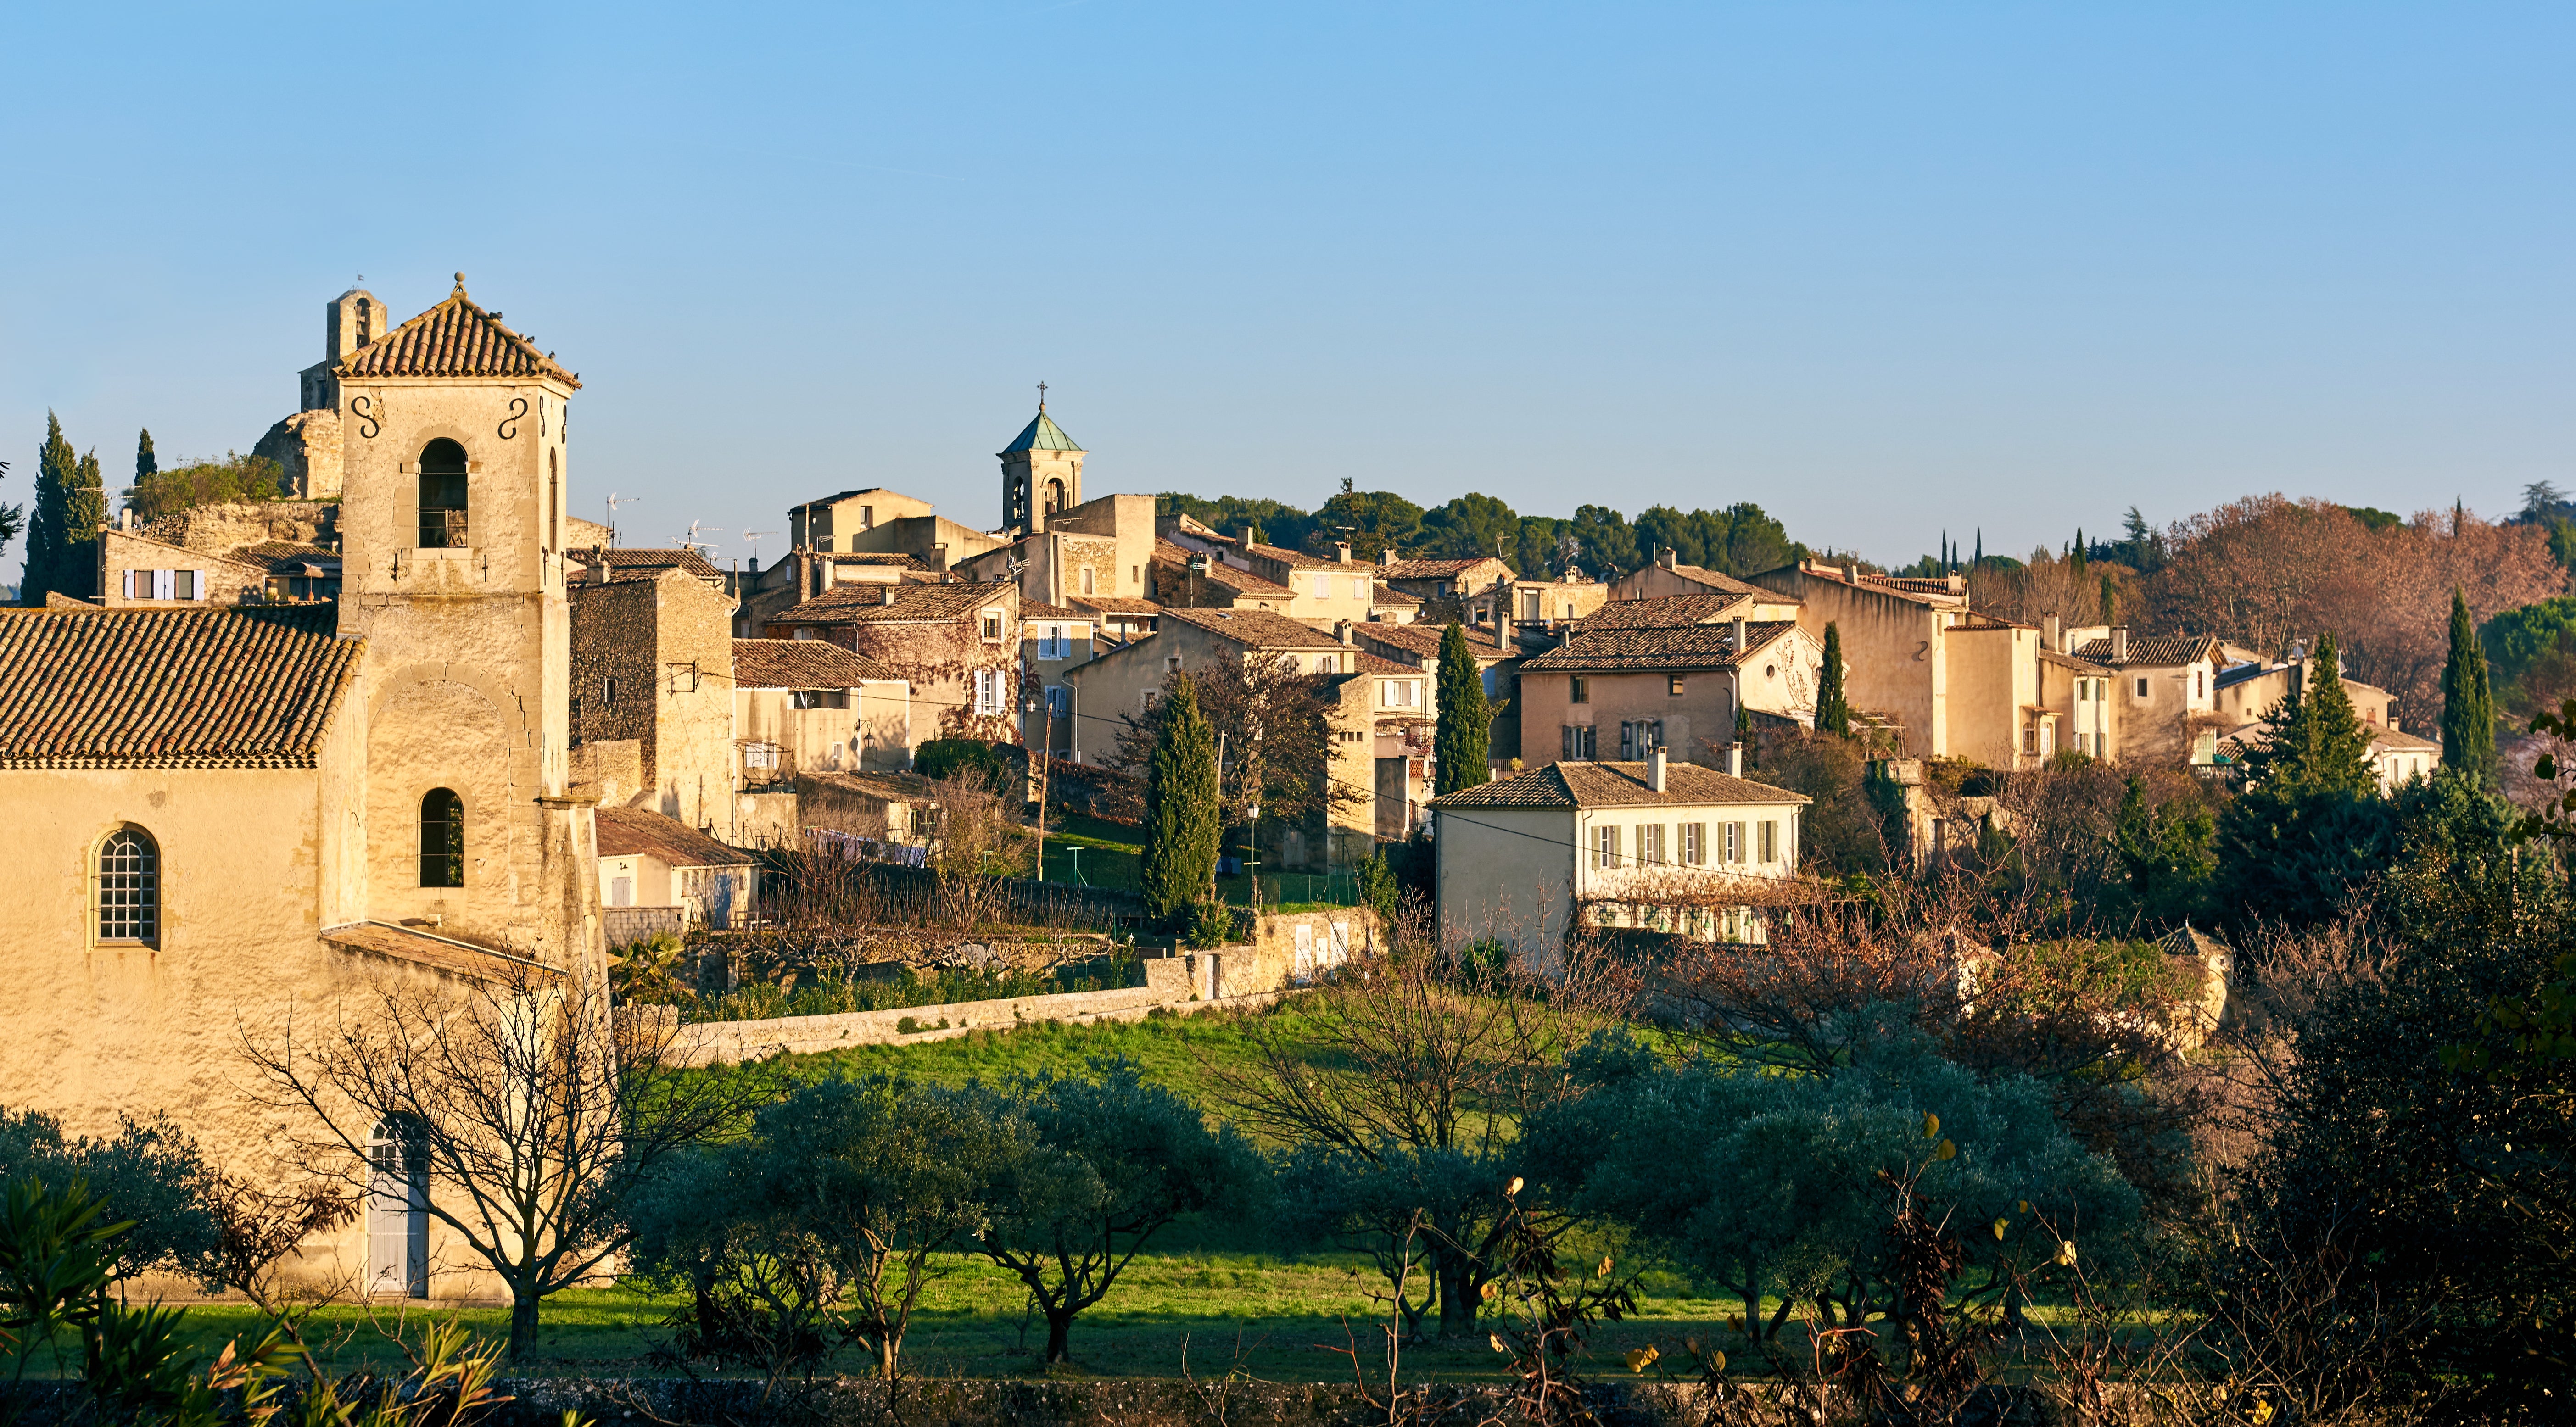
1230 977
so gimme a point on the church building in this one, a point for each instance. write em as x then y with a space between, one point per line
225 818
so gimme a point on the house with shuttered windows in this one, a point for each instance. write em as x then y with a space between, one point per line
1655 844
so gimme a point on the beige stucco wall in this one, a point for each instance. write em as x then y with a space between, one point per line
2181 699
831 525
1506 874
1113 536
1702 714
1893 651
1993 682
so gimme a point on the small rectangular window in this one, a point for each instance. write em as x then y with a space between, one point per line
183 584
1734 842
1770 841
1605 852
1578 690
1673 684
1695 843
1650 844
608 693
992 625
2142 688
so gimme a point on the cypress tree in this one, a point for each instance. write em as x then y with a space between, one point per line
1980 558
1833 711
47 533
2310 825
2318 743
2110 601
2468 704
145 463
1183 814
1463 745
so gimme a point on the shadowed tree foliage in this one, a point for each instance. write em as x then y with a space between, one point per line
2468 704
2310 826
1472 526
62 539
1182 814
1833 710
1463 744
145 461
1378 521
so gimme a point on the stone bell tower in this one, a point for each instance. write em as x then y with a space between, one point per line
1041 474
453 530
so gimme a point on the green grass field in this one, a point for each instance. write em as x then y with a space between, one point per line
1099 853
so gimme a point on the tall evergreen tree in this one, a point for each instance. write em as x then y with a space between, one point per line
1980 558
13 518
48 533
2110 601
1833 711
2468 705
145 462
1183 811
2310 825
1464 743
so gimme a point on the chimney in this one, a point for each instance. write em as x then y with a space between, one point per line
885 596
2056 639
1342 631
1735 760
823 573
2119 643
1655 767
125 518
1386 555
1342 551
1247 539
1739 636
939 557
1667 557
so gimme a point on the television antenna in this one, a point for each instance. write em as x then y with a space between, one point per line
691 540
755 537
614 501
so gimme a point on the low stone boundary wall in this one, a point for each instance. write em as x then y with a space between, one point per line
728 1042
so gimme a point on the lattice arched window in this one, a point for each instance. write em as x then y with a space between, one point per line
442 839
128 885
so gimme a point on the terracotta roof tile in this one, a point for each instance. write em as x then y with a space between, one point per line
1168 554
619 560
280 556
913 604
454 339
1664 612
1114 604
2163 649
1719 581
1614 785
1383 597
1695 646
1257 628
801 664
1423 640
632 832
1039 609
230 688
1431 569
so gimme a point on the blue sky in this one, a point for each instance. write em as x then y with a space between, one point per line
1884 268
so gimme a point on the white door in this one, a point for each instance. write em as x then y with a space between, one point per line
397 1219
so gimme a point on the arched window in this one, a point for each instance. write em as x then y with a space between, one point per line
129 887
366 321
1054 496
442 495
397 1213
442 839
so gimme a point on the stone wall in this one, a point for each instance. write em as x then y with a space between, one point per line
224 528
307 447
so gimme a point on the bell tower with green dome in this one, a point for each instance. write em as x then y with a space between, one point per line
1041 474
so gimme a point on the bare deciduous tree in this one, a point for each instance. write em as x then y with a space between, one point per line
532 1105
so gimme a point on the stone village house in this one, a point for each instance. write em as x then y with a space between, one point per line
1530 860
957 644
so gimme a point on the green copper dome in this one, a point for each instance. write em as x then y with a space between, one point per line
1041 435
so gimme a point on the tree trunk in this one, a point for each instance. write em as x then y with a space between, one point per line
886 1347
1059 1328
1457 1297
523 1324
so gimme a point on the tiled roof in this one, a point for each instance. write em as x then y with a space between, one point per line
845 495
630 832
1258 628
1696 646
1937 593
1614 785
877 557
1716 580
621 561
1114 604
1041 434
454 339
1424 639
2397 742
1297 558
229 688
1431 569
913 604
801 664
2162 649
280 556
1368 663
1220 573
2069 661
1039 609
448 954
1387 597
1665 612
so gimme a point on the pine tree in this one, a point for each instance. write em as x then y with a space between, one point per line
1464 743
1833 711
145 463
2468 704
2318 743
1182 808
2310 825
48 541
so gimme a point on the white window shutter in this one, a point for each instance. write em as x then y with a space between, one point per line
197 584
129 584
161 584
